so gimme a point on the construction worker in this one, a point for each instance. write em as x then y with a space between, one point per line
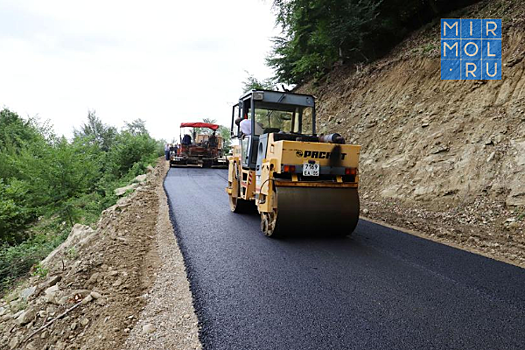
246 126
167 151
212 142
186 140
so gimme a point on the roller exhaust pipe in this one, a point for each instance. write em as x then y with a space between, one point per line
332 138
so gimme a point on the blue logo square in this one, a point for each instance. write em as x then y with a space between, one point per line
450 49
471 49
491 29
491 70
450 28
471 70
471 28
491 49
450 70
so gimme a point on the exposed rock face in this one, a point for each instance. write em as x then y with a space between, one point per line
122 190
437 152
26 317
426 139
79 236
474 143
51 294
27 292
140 178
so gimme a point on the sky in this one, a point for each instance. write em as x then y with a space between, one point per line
165 62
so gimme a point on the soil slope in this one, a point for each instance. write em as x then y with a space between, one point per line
443 157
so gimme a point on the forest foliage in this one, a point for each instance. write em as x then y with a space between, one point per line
49 183
252 83
317 34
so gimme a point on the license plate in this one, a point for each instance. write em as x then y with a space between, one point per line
310 169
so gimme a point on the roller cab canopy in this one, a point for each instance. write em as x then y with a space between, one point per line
199 125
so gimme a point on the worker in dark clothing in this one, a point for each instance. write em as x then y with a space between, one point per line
186 140
212 140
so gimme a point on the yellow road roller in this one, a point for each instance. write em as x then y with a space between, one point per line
300 182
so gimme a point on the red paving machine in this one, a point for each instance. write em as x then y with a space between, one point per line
200 146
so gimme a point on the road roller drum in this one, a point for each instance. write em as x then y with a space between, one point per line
310 210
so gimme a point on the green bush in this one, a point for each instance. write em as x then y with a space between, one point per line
62 181
15 212
131 152
16 261
15 132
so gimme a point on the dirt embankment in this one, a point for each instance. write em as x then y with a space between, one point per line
443 157
109 287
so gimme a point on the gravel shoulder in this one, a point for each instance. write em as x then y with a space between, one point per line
472 228
168 320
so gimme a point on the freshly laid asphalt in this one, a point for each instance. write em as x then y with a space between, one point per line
378 289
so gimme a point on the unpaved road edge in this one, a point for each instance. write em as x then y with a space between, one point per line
168 321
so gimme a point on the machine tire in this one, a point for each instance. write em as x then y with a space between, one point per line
238 205
268 221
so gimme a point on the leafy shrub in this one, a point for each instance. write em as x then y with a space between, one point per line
15 212
62 181
16 261
131 152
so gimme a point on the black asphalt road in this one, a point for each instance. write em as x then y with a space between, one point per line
379 289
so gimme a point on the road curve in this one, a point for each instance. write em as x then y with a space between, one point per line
379 289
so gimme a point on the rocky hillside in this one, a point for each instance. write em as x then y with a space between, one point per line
443 157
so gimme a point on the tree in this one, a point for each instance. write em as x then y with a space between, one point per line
317 34
15 211
15 132
209 120
252 83
226 137
206 131
131 149
136 127
98 132
64 182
